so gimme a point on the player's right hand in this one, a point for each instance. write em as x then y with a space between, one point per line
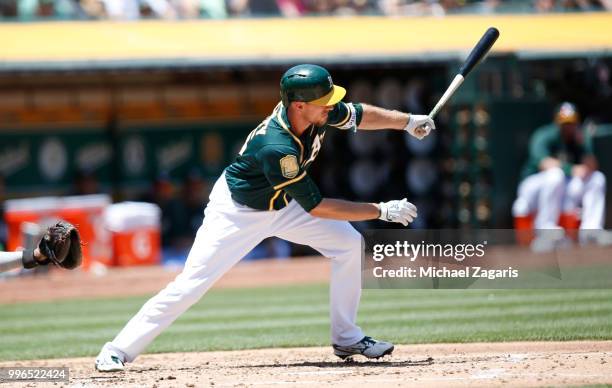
400 211
419 126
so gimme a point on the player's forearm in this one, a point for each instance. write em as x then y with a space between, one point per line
338 209
378 118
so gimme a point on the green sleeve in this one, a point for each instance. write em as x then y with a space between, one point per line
345 116
359 110
282 170
589 150
539 146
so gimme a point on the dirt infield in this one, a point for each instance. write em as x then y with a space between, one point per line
441 365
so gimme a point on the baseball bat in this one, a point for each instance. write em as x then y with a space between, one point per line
478 52
10 260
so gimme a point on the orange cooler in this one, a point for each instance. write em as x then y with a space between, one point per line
136 233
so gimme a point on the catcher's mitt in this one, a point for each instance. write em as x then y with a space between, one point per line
61 245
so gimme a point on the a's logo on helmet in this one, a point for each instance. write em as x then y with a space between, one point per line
330 80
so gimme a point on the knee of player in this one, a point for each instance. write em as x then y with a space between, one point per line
185 293
348 240
354 240
520 207
555 176
574 189
597 181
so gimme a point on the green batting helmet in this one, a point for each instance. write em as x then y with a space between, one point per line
309 83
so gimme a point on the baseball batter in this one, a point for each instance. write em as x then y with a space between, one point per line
267 192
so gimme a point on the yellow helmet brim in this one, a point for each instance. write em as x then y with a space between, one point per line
332 98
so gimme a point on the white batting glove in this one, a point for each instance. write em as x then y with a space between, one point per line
402 211
419 126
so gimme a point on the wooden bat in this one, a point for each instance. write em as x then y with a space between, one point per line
478 52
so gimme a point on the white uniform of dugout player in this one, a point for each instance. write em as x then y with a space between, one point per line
267 192
561 174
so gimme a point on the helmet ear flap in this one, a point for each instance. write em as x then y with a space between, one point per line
286 93
284 99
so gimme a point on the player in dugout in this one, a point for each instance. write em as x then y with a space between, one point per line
561 175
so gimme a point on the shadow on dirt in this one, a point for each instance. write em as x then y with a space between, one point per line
348 363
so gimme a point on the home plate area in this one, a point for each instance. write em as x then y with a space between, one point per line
450 365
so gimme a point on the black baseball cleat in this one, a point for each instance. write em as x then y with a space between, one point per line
368 347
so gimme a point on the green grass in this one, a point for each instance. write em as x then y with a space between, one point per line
298 316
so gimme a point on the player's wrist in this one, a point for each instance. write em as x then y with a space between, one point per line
383 211
28 259
38 256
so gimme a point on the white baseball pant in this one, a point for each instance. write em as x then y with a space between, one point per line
228 233
550 191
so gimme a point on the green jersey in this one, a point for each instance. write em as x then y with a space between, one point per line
546 142
272 166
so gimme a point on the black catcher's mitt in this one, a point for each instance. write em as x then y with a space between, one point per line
61 245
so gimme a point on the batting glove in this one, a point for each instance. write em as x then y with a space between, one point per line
419 126
402 211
